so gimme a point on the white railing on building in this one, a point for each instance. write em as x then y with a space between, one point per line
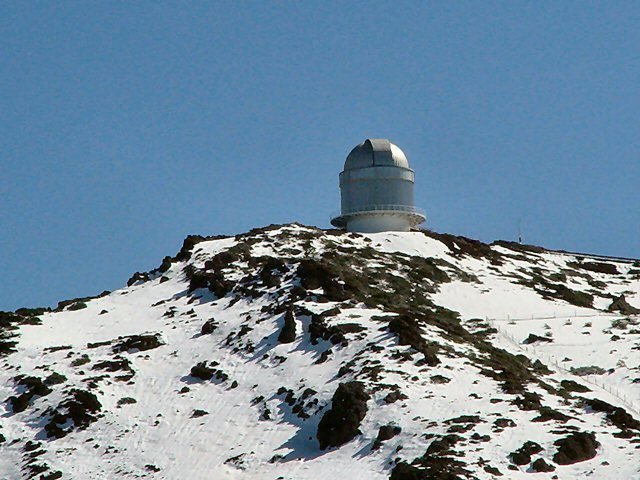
380 209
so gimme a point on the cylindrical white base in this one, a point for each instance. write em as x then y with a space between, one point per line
377 222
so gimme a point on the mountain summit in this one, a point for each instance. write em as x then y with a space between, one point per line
291 352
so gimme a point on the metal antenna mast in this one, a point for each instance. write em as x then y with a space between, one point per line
520 230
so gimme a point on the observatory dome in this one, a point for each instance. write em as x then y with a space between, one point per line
376 190
375 152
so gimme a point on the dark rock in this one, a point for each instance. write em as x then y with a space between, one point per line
404 471
214 281
540 368
202 372
522 247
332 312
541 466
209 327
547 413
522 456
220 260
237 461
165 265
341 423
77 306
480 438
576 447
318 329
32 312
34 469
297 292
532 338
79 410
138 343
324 356
443 445
266 273
197 278
308 392
7 346
492 470
33 386
288 332
572 386
597 267
463 419
336 334
616 415
621 305
31 446
394 396
386 432
187 245
345 328
71 303
587 370
81 360
138 277
57 348
440 462
504 423
118 364
528 401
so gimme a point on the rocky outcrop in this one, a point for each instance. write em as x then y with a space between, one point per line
621 305
576 447
348 408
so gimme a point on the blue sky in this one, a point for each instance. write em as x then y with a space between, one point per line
126 126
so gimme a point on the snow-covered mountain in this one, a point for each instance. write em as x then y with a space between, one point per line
290 352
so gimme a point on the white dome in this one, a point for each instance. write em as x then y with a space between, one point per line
376 152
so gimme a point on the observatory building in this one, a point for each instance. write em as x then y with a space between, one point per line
376 189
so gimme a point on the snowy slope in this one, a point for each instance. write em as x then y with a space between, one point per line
223 363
